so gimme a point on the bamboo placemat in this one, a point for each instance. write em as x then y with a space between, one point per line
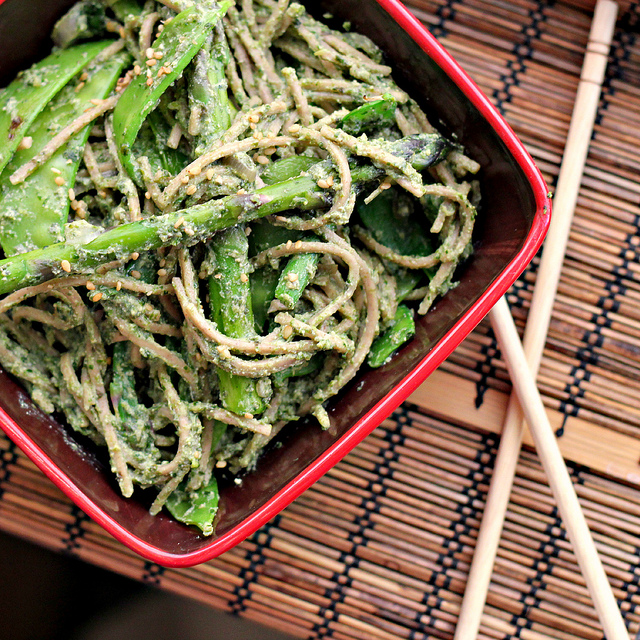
380 547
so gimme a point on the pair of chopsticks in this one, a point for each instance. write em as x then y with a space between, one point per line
523 361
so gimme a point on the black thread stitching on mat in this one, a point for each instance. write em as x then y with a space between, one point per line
382 472
531 599
523 52
485 457
485 368
242 592
8 457
444 12
74 530
615 287
152 573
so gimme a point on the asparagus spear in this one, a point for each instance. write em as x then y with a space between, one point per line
231 309
199 222
395 336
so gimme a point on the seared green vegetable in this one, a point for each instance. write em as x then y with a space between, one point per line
395 336
31 91
378 113
202 220
179 42
196 507
231 310
295 277
33 213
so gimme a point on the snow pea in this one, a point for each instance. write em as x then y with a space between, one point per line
33 212
31 91
179 42
197 507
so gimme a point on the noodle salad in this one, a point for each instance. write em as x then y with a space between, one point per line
211 218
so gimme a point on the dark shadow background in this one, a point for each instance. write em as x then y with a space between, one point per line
48 596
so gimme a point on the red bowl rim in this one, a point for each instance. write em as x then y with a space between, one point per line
389 402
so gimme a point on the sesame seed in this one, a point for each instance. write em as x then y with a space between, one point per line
294 128
162 272
149 81
158 55
221 464
202 275
258 135
96 297
79 87
137 69
191 189
210 173
60 181
72 194
136 274
287 331
148 307
269 151
298 244
244 277
135 255
262 160
248 416
74 204
65 265
90 285
118 285
323 184
218 276
293 277
330 181
147 195
149 52
189 231
179 222
26 143
162 262
84 76
152 63
56 170
96 101
254 117
184 179
289 244
385 185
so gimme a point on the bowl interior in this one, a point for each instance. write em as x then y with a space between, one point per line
507 215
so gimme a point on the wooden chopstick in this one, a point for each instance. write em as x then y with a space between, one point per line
523 375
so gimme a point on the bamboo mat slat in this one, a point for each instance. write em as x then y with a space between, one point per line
380 547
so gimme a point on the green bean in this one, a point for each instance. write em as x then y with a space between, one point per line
179 42
231 310
30 92
395 336
196 223
33 212
371 115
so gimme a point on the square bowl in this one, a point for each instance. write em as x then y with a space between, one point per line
510 229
